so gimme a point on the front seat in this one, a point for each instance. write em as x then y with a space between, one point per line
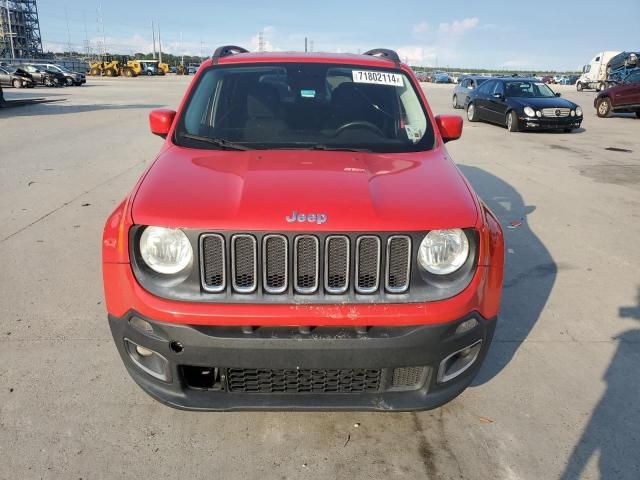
265 121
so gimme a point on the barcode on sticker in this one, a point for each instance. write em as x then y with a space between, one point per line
380 78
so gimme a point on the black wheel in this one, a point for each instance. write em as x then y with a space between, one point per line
472 114
95 72
637 114
579 86
512 121
603 107
16 83
149 73
455 102
110 72
128 72
69 81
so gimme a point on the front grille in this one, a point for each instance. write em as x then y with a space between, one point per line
243 263
553 112
271 264
408 377
263 380
367 264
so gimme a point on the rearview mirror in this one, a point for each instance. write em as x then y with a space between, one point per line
450 127
160 121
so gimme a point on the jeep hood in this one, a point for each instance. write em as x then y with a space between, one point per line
258 189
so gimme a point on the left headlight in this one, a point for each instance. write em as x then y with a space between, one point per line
443 251
579 111
165 250
529 112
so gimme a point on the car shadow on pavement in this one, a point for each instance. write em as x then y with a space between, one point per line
613 430
62 109
530 271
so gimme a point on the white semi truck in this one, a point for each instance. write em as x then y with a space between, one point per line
594 75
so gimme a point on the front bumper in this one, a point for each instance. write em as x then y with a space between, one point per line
295 350
549 123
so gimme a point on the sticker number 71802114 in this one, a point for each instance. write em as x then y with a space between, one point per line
380 78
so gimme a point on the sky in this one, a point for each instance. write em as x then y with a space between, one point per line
518 35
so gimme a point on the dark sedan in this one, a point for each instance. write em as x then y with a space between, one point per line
522 104
15 77
464 88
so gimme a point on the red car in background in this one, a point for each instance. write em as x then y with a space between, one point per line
621 98
303 241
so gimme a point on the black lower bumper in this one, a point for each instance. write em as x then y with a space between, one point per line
283 355
547 123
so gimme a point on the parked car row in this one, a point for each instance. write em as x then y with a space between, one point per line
520 103
32 74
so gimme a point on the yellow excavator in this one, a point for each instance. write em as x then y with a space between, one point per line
117 66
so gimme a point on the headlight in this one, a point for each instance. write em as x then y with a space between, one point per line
579 111
165 250
443 251
529 112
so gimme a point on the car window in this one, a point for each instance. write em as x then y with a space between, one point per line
528 89
487 87
498 89
302 105
633 78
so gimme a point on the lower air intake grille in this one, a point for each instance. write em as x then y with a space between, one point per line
408 376
262 380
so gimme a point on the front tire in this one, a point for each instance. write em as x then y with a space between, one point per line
69 82
95 72
603 107
16 83
472 114
512 121
109 72
455 102
579 86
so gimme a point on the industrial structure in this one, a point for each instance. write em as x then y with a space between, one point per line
19 29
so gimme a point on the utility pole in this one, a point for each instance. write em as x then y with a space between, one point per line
261 41
311 45
153 33
181 51
305 44
13 52
66 16
201 48
159 45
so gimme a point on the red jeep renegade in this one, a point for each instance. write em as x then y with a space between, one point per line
303 241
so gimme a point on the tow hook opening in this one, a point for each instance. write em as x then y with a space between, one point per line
202 378
458 362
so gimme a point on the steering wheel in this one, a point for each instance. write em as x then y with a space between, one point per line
362 124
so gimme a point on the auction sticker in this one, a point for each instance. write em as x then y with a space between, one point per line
379 78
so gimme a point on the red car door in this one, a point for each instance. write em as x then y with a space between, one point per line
629 92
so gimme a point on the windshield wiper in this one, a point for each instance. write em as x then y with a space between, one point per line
218 142
320 146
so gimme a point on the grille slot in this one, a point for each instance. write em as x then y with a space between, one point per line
336 264
367 277
212 263
262 380
551 112
306 256
244 263
275 263
398 263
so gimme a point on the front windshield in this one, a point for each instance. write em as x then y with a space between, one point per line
528 89
305 105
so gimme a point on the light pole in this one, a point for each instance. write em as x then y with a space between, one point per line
6 6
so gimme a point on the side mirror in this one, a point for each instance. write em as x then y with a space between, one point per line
450 127
558 94
160 121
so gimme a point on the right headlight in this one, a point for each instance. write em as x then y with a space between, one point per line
443 251
165 250
529 112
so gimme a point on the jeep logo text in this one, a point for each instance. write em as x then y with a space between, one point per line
318 218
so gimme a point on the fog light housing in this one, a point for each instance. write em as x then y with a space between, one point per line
149 361
466 326
458 362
